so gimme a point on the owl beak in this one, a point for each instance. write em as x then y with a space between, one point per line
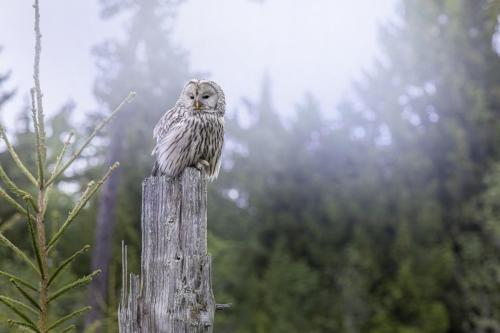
197 105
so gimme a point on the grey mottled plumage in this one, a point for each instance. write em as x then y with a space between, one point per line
192 132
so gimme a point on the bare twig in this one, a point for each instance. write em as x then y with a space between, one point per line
223 306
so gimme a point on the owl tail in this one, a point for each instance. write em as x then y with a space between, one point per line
156 169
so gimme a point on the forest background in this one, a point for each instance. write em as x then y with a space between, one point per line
379 214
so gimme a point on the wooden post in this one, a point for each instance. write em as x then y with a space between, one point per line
174 291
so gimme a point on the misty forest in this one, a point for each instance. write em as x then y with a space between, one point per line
380 214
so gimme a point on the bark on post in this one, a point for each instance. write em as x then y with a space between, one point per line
174 291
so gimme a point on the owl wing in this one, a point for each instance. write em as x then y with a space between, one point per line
169 119
215 148
174 149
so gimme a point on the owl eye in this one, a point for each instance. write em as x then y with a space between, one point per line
192 97
205 96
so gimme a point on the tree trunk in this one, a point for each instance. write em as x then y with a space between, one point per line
174 292
103 241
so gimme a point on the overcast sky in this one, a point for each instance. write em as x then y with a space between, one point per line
315 46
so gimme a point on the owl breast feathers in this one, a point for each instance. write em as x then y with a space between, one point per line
192 132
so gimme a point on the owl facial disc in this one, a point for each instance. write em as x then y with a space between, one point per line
200 96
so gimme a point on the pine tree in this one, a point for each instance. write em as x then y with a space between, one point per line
434 94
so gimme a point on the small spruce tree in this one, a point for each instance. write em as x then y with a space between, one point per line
38 292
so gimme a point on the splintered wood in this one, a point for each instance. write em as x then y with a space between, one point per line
174 291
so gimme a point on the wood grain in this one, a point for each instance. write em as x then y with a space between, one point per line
174 291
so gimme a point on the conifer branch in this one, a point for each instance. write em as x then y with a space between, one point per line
11 201
98 128
91 189
66 263
80 282
72 214
11 186
62 152
34 243
68 329
20 313
58 164
18 251
16 158
7 224
22 325
19 280
21 304
68 317
25 294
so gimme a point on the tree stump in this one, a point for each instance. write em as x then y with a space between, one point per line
174 291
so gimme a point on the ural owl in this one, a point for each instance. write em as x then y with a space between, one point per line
192 132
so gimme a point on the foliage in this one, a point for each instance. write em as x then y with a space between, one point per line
377 213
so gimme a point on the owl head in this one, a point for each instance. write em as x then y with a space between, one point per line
203 95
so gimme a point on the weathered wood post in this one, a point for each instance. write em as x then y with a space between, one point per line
174 291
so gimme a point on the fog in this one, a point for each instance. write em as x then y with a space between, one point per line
317 47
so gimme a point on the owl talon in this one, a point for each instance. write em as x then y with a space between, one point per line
202 164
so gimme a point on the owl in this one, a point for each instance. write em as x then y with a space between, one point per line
192 132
